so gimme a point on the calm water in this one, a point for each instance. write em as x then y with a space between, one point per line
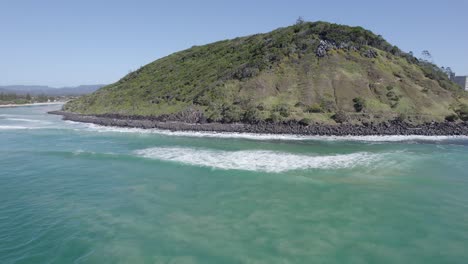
79 193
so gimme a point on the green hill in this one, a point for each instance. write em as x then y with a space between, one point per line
309 72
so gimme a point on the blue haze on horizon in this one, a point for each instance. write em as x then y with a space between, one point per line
67 43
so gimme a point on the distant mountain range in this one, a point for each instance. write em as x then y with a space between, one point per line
46 90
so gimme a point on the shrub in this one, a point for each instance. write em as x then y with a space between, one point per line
315 108
452 118
214 113
299 104
328 104
305 121
401 117
215 117
463 112
232 114
252 115
393 98
359 104
275 117
392 95
340 117
201 100
282 109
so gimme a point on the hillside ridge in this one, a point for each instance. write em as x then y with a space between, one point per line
311 72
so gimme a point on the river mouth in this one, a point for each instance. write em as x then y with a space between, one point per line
81 192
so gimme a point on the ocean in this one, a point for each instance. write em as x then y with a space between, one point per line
81 193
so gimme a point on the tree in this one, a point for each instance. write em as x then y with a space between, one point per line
426 55
232 113
449 72
361 41
300 21
395 51
252 115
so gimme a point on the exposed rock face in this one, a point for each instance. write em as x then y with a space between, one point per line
387 128
324 47
189 116
370 53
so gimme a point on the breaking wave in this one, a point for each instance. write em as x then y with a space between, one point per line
253 136
256 160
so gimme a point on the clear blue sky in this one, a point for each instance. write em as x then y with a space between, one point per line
62 43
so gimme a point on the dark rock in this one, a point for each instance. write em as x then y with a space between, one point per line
394 127
370 53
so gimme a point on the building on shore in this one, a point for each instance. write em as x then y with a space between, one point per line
462 81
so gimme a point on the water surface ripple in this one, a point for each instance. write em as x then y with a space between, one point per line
81 193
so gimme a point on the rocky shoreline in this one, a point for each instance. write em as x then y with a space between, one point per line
386 128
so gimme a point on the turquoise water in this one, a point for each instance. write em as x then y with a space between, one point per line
80 193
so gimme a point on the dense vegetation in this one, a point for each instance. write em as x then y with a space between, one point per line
11 98
308 72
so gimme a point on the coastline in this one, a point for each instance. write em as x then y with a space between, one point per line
33 104
292 128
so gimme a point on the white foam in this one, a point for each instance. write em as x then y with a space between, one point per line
256 160
17 127
391 138
28 120
253 136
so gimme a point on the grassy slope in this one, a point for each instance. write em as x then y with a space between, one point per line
278 76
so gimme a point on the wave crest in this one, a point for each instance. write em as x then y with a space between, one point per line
254 136
256 160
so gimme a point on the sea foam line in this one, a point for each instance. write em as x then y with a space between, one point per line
256 160
28 120
17 127
254 136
